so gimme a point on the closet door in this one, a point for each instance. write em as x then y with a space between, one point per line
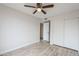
58 31
71 33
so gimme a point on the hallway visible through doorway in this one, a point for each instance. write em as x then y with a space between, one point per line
45 31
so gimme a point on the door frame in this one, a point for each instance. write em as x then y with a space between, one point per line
49 28
41 38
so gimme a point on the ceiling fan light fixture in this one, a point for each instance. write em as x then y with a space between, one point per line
39 9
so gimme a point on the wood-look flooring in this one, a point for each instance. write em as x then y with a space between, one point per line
42 49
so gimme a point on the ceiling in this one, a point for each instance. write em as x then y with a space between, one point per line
59 8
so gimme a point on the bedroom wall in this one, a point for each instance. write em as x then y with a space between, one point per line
17 29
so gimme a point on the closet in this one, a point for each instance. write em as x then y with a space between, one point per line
65 32
71 33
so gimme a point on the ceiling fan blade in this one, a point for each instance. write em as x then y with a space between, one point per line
34 11
48 6
43 11
29 6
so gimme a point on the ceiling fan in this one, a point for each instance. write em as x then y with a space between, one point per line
39 7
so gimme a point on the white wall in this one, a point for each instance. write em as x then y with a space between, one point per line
17 29
58 24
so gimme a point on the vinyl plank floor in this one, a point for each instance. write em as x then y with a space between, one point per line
42 48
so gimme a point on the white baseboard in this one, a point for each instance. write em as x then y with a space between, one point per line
3 52
51 43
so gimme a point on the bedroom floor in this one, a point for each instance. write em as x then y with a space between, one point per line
42 48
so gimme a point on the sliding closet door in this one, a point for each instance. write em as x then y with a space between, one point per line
58 31
71 33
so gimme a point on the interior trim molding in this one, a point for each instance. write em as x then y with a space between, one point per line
3 52
67 48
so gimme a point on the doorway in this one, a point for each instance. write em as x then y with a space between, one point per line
45 31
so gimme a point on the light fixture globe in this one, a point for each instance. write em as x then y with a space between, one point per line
39 9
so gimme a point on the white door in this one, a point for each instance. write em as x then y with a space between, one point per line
71 33
46 31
